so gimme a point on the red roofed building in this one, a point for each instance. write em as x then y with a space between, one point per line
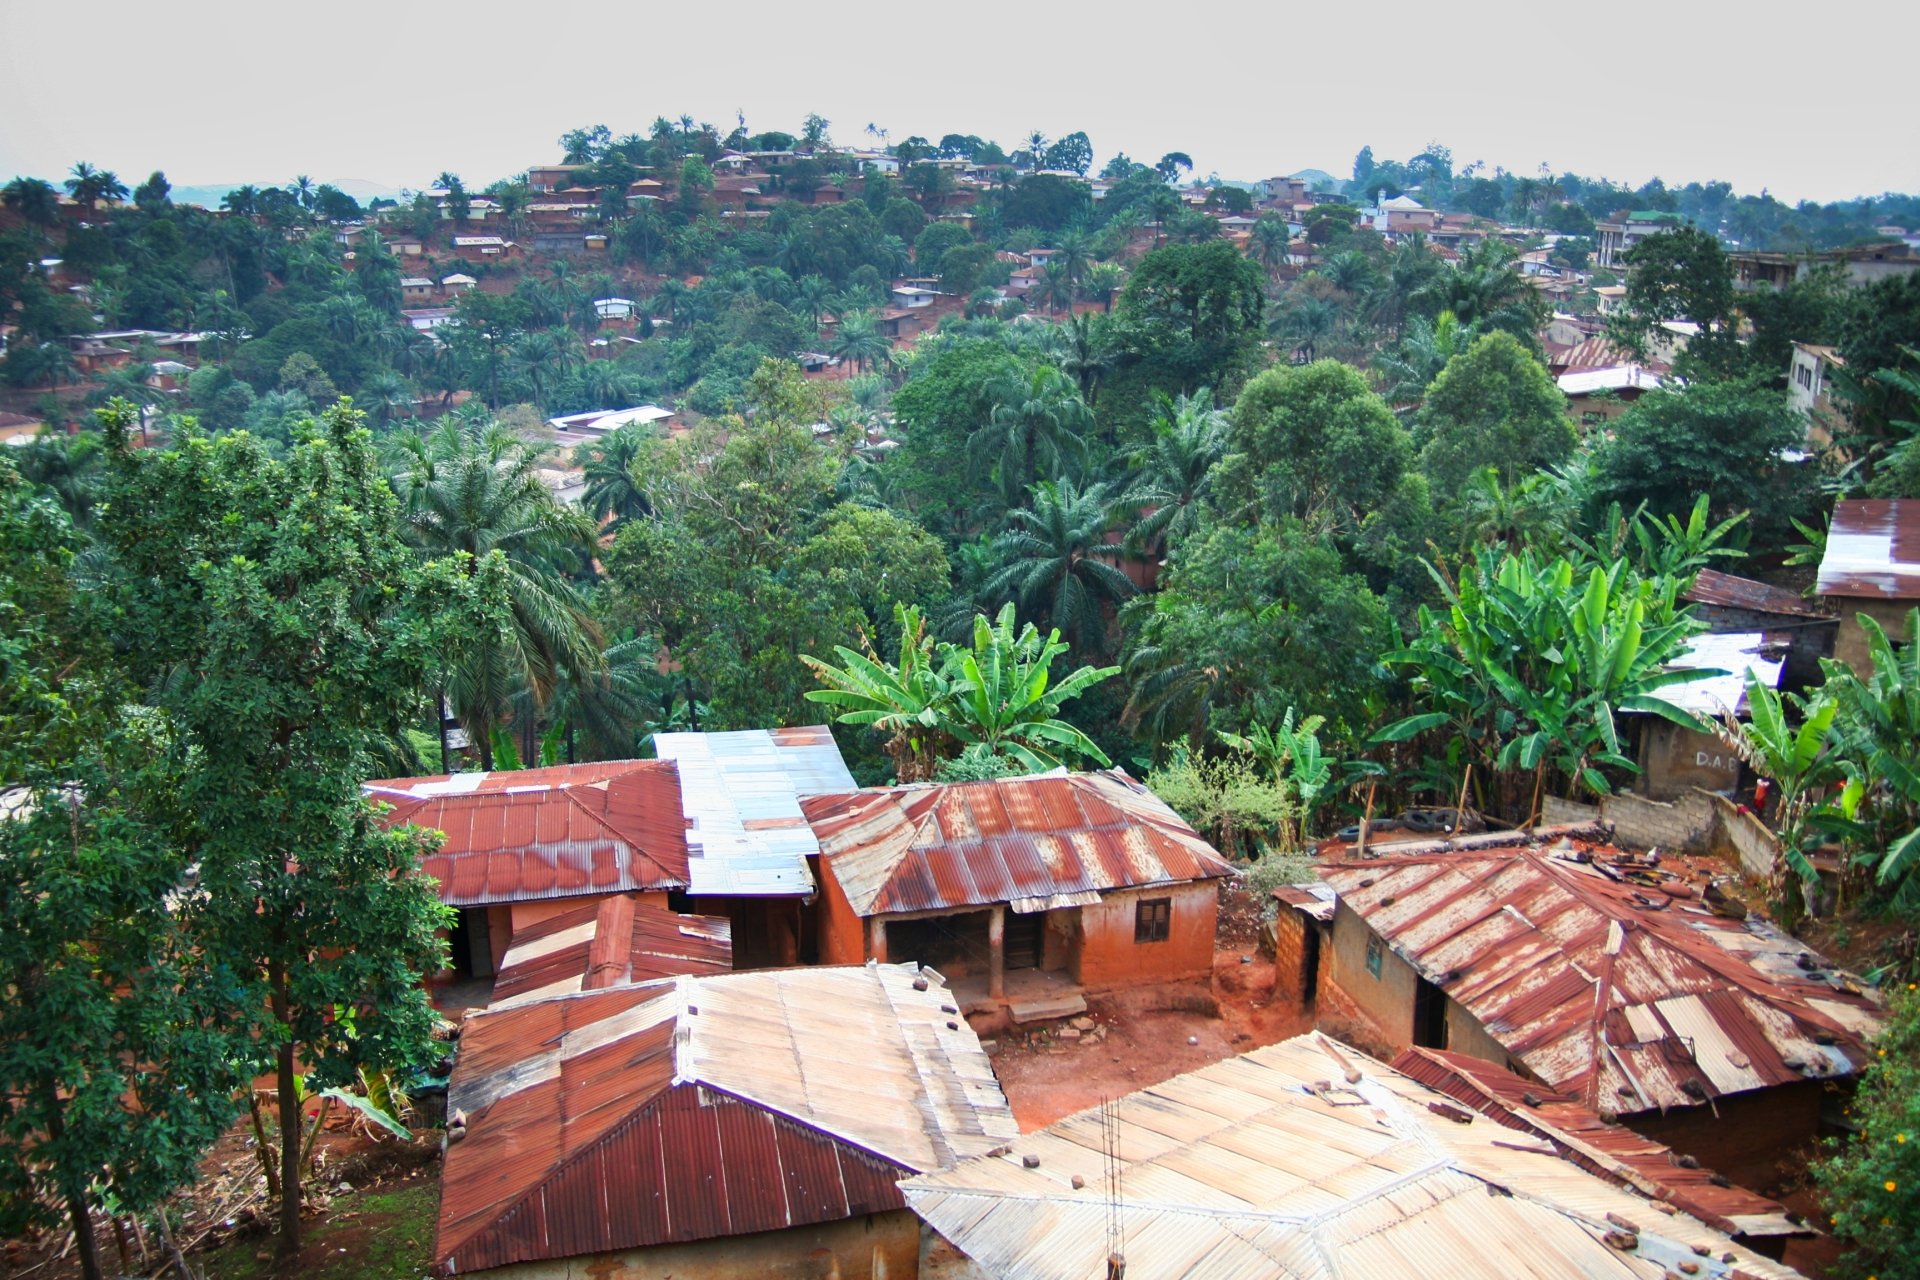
524 845
1609 980
749 1125
1088 876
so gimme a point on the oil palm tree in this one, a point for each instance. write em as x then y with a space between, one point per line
614 493
1051 553
1034 431
1268 243
1054 290
1410 368
1171 470
859 339
33 199
1102 281
473 488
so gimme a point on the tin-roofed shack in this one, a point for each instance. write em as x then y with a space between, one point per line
1306 1159
1871 566
1607 978
750 1125
1088 877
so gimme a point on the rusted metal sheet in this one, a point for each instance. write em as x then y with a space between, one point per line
1730 591
692 1108
1017 840
610 827
1625 996
1873 550
1609 1151
1304 1158
618 940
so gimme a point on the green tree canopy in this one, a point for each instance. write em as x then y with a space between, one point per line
1493 405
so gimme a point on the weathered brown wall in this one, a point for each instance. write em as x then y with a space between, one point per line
1387 1000
1850 643
1290 955
1466 1035
1109 957
878 1244
1749 1136
843 935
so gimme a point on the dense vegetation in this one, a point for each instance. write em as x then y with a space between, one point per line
1277 533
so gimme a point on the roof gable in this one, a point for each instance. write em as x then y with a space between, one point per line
1034 842
617 940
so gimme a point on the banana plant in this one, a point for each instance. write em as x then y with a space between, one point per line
1294 759
1798 760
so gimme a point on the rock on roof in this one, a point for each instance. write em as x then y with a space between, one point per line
1303 1159
702 1107
1039 842
1627 995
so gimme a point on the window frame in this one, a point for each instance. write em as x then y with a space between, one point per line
1152 920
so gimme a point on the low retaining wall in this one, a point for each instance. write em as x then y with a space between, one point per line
1698 822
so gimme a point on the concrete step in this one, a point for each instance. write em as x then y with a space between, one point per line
1047 1008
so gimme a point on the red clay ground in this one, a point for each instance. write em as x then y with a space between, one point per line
1138 1039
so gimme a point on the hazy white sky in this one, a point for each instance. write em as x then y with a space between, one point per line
1810 102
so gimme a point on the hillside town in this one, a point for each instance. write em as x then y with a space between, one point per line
815 705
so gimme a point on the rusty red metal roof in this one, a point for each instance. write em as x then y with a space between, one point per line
612 942
1610 1151
1034 842
1729 591
694 1108
1873 550
547 833
1630 996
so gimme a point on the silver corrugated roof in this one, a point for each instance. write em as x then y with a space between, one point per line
740 792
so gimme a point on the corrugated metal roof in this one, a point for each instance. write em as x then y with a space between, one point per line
1303 1159
741 793
1729 591
1026 841
1738 654
614 941
1873 549
516 836
1610 1151
700 1107
1628 996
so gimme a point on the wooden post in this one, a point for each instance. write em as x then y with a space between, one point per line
877 939
997 952
1460 805
1366 824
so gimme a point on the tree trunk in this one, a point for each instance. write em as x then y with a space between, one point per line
289 1091
76 1196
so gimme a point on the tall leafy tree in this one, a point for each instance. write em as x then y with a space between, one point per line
1493 405
116 1071
291 634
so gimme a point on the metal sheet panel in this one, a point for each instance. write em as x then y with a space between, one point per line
1873 550
741 792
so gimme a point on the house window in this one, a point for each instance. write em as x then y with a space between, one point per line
1373 956
1151 919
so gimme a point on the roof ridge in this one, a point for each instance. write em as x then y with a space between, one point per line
661 872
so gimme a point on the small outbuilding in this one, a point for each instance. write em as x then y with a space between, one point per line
1871 567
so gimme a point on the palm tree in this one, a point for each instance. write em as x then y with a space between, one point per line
1052 561
1268 243
859 338
1055 288
1034 430
1189 437
1485 290
614 493
1304 321
33 199
474 489
387 397
1036 142
541 358
1410 368
670 299
303 190
1075 251
1102 281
